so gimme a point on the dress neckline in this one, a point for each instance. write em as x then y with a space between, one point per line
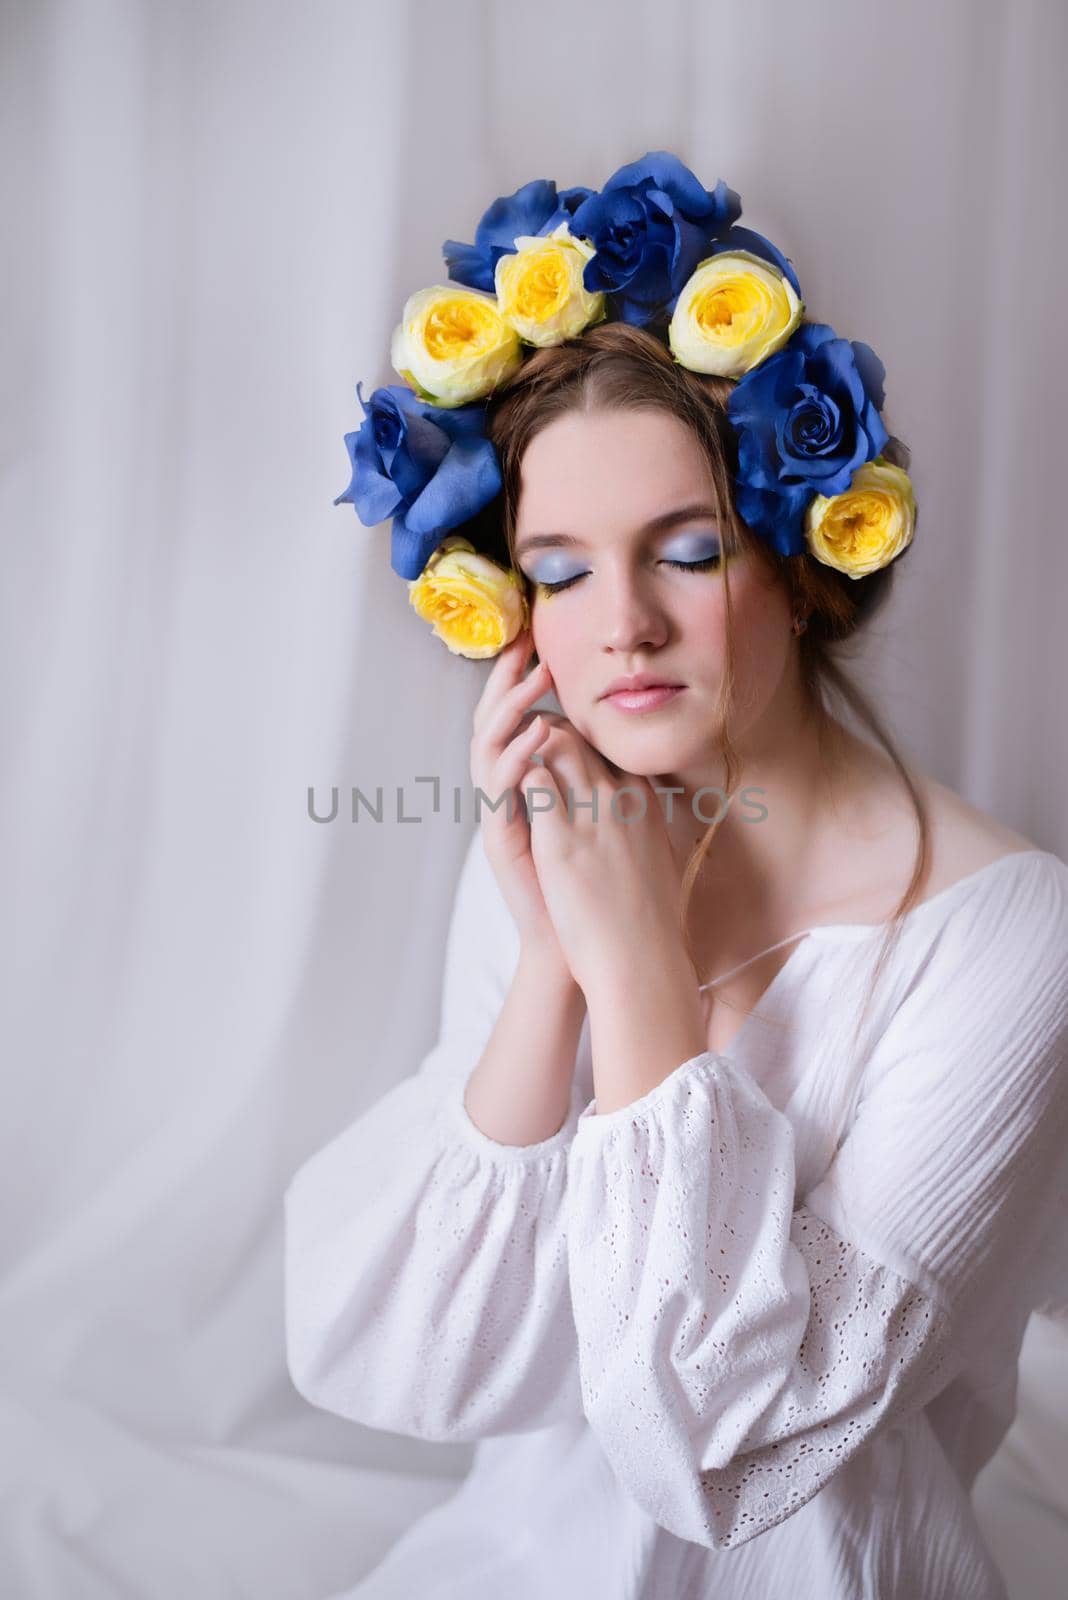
861 930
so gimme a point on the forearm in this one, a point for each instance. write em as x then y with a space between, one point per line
520 1091
645 1020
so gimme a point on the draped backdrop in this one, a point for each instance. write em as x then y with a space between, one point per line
213 215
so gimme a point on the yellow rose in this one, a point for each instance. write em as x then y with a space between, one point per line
864 528
734 311
453 346
540 290
475 605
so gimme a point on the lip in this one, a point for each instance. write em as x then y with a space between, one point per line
650 699
640 680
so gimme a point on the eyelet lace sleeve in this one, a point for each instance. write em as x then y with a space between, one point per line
426 1286
738 1346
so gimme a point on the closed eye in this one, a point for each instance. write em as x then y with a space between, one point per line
685 566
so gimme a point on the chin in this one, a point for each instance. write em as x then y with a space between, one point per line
645 755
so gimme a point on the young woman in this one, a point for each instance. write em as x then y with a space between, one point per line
718 1210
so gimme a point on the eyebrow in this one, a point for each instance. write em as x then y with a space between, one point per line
666 519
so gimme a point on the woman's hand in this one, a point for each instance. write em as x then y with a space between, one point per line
505 738
609 877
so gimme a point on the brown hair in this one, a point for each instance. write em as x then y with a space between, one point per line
617 366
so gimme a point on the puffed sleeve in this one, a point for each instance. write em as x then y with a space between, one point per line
737 1347
426 1286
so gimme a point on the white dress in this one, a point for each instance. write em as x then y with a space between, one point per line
752 1335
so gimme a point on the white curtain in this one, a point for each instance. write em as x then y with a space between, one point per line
213 213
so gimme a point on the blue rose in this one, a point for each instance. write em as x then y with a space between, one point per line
650 225
427 467
534 209
806 419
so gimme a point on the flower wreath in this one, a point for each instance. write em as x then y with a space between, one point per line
651 247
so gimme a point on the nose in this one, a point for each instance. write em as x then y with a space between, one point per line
631 616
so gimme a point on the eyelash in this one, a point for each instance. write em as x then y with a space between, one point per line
684 566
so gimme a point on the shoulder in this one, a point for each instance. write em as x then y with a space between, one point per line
1007 889
987 962
875 856
963 837
977 1019
989 926
998 900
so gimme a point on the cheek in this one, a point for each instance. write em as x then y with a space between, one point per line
702 610
762 646
760 622
559 642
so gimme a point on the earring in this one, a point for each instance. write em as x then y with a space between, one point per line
800 623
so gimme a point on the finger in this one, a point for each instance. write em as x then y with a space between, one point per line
509 768
512 667
564 752
508 670
486 755
542 798
497 723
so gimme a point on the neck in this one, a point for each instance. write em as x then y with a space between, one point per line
765 856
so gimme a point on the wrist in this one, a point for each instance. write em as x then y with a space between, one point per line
645 1020
655 968
545 959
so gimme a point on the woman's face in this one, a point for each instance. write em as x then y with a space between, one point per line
603 478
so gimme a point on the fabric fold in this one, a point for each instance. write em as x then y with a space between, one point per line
738 1344
426 1273
426 1286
